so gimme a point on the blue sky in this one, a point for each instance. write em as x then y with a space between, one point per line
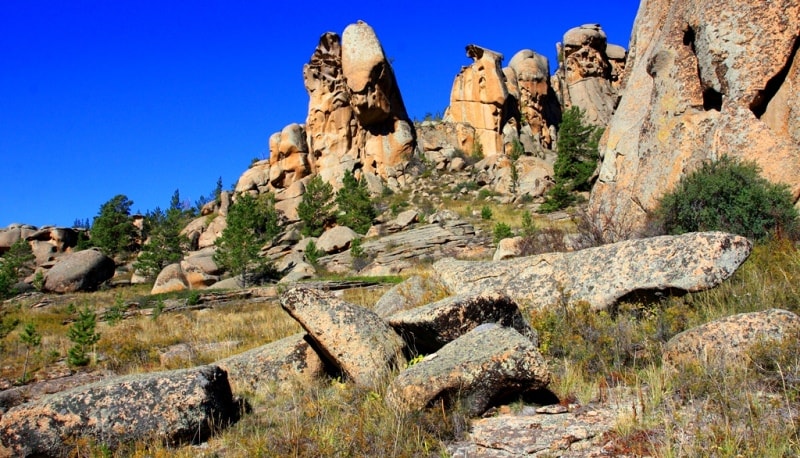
99 98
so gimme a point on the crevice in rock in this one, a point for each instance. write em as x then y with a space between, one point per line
688 38
762 99
712 99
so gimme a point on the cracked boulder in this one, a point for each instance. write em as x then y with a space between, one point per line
353 339
487 365
428 328
175 407
602 275
718 78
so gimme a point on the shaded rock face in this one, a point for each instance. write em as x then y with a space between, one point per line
285 361
602 275
586 77
479 97
718 78
428 328
356 114
80 271
480 367
729 339
350 337
174 407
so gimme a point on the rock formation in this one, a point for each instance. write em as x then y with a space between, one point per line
705 78
479 97
538 105
588 77
604 274
80 271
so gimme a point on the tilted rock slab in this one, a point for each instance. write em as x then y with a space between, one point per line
176 407
413 292
80 271
428 328
354 339
727 340
485 365
601 275
704 78
284 361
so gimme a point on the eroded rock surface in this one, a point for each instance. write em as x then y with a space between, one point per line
80 271
705 78
352 338
175 407
479 368
602 275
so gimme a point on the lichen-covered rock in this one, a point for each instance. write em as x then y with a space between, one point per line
80 271
602 275
284 361
727 340
413 292
485 365
354 339
174 407
705 78
428 328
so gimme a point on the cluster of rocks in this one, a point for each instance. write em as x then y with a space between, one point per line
478 347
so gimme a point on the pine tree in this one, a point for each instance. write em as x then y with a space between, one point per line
82 334
12 264
354 204
316 207
112 229
31 338
251 223
165 244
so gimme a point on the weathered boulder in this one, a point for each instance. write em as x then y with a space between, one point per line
80 271
479 96
196 275
728 340
445 136
484 366
537 101
49 241
283 362
336 239
14 233
288 157
175 407
602 275
508 248
212 232
585 77
718 78
171 278
428 328
354 339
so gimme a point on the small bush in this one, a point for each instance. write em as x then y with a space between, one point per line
502 231
312 253
728 195
486 212
82 334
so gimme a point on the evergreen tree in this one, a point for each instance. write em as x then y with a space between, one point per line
82 334
251 223
31 338
354 204
316 207
112 229
165 244
12 264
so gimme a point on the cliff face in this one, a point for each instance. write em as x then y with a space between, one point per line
704 78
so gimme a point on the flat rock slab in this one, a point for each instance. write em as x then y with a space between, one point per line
352 338
428 328
729 339
287 360
481 367
602 275
174 407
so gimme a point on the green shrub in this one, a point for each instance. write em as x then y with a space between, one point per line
529 228
502 231
312 253
83 336
354 204
728 195
558 197
316 207
486 212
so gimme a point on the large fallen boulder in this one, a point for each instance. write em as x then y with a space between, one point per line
352 338
428 328
602 275
80 271
484 366
287 360
175 407
728 340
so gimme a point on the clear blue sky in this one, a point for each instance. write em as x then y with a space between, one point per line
99 98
